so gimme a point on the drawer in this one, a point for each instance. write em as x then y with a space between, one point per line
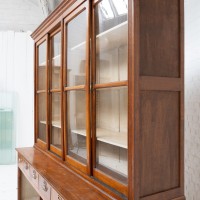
20 162
55 195
44 188
25 167
33 176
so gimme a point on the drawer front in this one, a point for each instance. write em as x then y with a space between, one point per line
33 176
55 195
44 188
25 167
20 162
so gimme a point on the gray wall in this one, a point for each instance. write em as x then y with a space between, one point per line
192 99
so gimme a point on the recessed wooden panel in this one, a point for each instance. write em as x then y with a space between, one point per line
159 142
159 38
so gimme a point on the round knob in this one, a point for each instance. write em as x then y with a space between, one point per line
59 197
34 174
26 165
44 186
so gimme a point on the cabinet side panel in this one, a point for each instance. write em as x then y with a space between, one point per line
160 142
159 38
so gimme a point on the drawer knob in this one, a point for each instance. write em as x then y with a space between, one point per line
59 197
44 186
26 165
34 174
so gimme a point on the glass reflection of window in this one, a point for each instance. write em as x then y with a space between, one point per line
106 9
121 6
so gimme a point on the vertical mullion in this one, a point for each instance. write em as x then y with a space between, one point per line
133 99
62 89
65 73
50 49
35 92
93 90
47 92
87 90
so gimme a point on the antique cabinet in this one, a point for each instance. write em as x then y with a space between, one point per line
109 83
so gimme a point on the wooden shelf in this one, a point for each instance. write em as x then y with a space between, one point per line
110 39
56 61
56 124
110 137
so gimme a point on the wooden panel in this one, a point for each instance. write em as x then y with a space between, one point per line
160 141
159 38
160 83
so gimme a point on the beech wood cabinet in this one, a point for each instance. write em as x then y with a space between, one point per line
109 110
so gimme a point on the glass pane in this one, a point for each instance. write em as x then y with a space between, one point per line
56 120
42 66
56 61
121 6
77 125
41 99
76 48
111 132
111 44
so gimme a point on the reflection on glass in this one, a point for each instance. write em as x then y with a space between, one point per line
41 66
76 48
121 6
56 120
41 101
106 9
56 61
111 45
111 132
76 125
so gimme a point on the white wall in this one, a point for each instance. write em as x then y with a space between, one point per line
16 82
20 15
192 99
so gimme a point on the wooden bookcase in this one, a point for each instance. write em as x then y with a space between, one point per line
109 110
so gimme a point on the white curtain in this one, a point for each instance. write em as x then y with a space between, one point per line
16 90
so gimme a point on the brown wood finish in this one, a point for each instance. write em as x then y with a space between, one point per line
160 83
56 150
36 91
160 141
109 85
19 184
67 183
97 173
64 9
86 88
182 97
159 36
133 98
62 91
48 101
155 104
93 92
78 87
110 181
51 147
41 144
161 100
40 91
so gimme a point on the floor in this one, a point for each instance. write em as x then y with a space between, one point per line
8 182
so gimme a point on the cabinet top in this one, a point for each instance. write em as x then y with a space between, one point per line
55 18
62 179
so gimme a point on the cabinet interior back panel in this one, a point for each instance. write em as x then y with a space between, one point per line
160 141
159 38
